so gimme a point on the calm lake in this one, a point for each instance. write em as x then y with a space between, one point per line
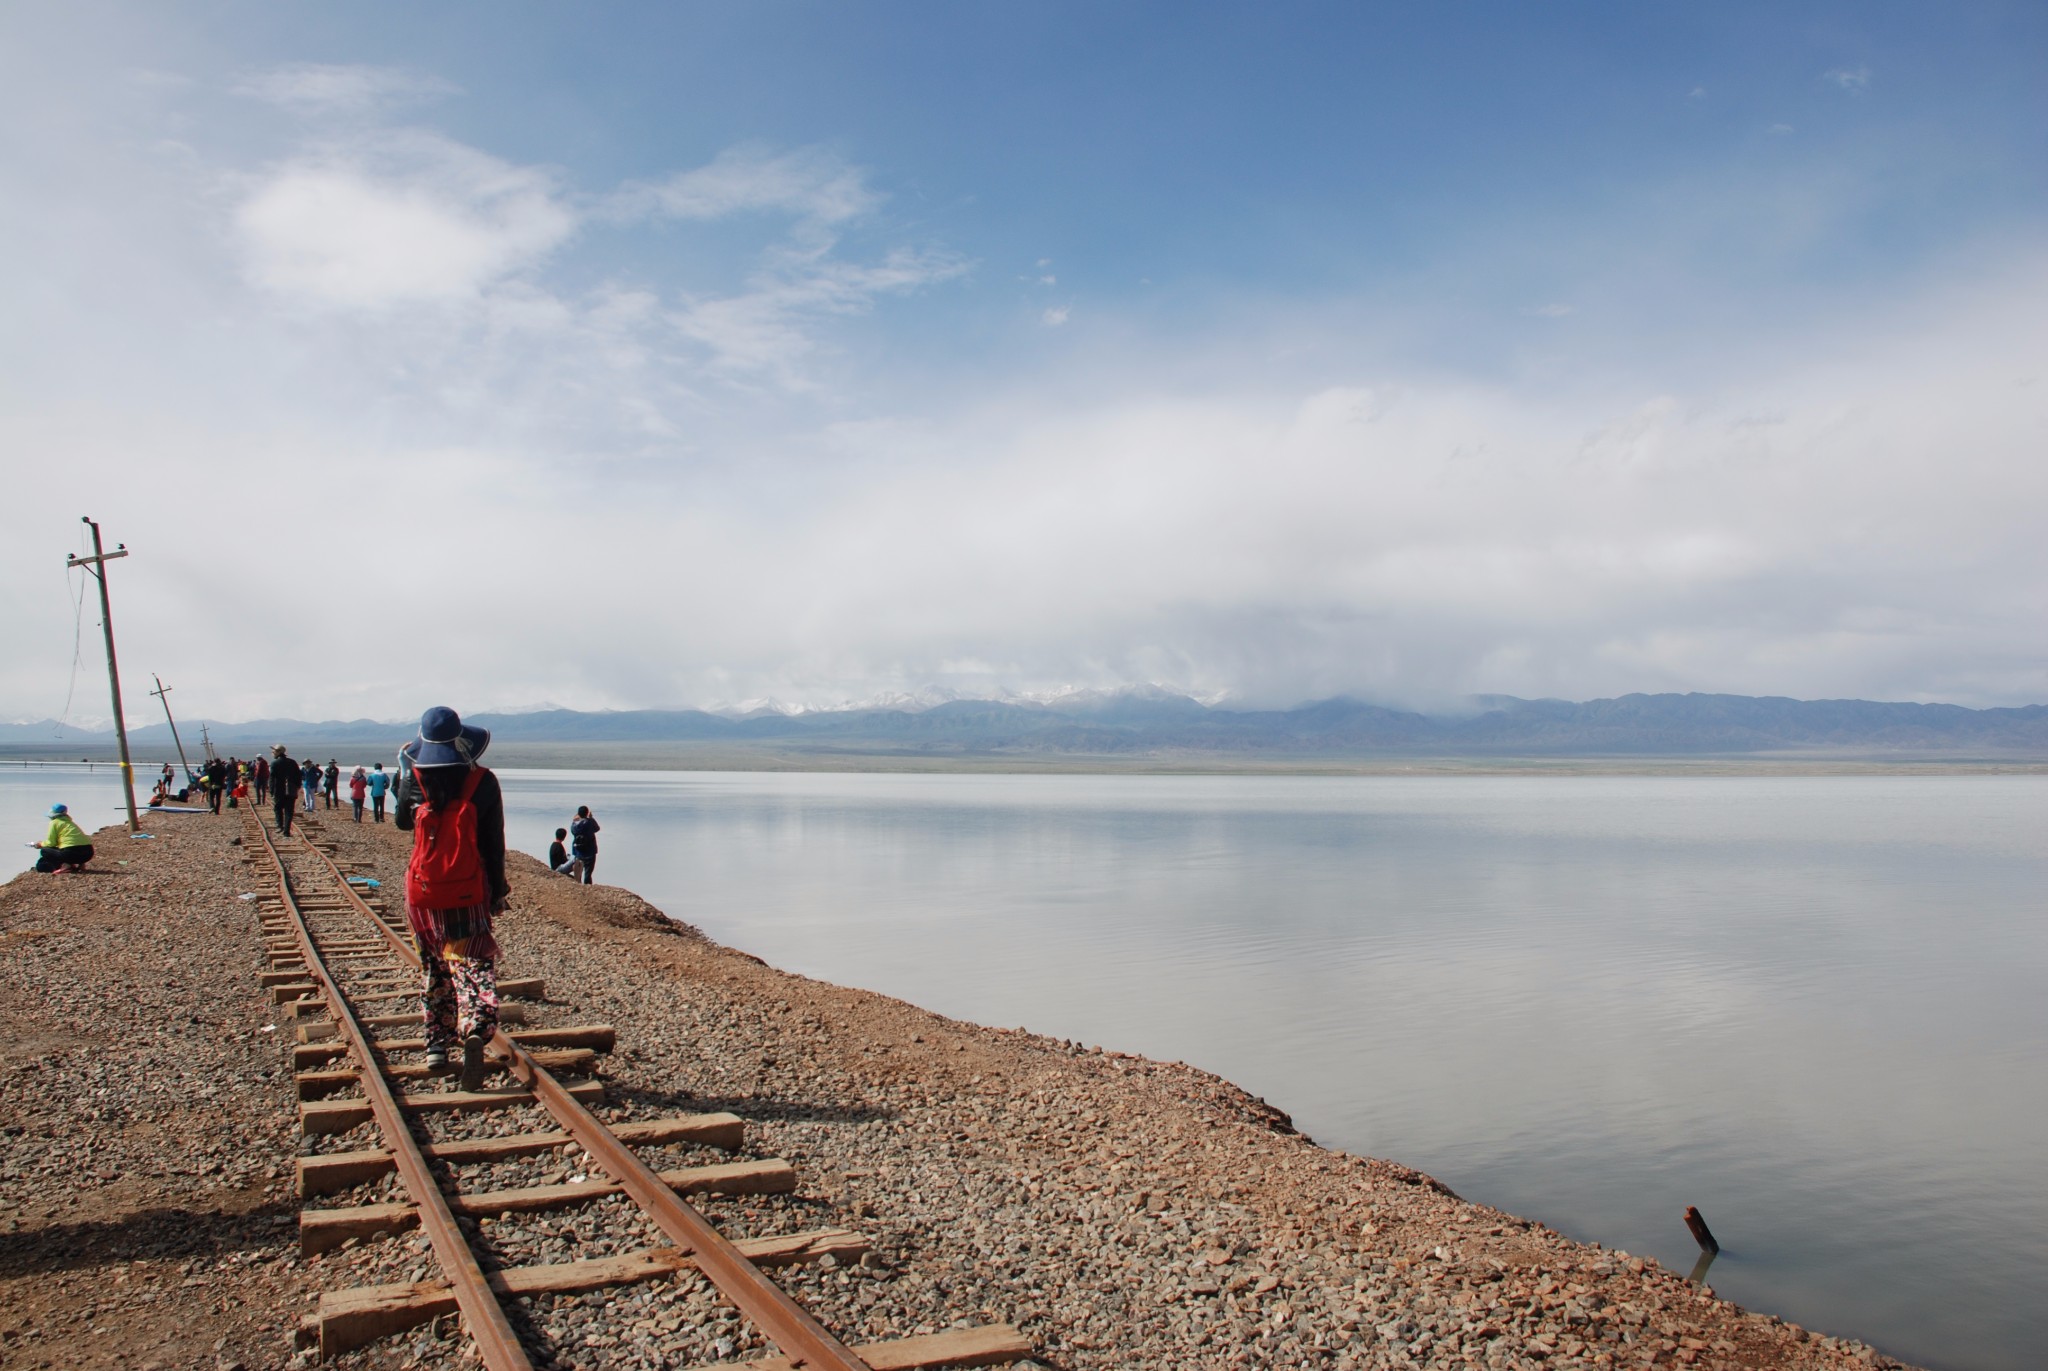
1811 1006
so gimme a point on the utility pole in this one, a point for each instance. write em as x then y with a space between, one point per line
97 565
163 695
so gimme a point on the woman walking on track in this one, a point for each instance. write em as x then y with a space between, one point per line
455 884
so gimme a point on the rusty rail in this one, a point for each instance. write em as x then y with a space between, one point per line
802 1340
481 1313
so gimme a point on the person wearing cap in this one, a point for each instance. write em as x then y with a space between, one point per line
309 779
284 788
65 847
332 788
455 884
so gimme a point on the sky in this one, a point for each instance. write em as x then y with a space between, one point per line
675 355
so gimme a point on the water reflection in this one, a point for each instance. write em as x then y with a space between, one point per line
1807 1004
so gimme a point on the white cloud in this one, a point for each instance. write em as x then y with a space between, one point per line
1844 502
367 220
1550 311
323 89
767 331
399 218
809 183
1851 79
1862 523
1055 316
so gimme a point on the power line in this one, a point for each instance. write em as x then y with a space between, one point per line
77 641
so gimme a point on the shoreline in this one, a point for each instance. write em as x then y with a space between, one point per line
1123 1212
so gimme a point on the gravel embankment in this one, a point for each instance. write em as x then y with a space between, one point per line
1123 1212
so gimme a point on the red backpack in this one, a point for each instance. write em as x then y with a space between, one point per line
447 867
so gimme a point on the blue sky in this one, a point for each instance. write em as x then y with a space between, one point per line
821 352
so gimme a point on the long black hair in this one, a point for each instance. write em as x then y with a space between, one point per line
441 785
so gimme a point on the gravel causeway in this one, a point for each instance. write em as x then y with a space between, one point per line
1122 1212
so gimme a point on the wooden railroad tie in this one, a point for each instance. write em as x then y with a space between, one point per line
348 1319
324 1175
990 1345
316 1085
339 1116
323 1030
322 1230
308 1005
596 1037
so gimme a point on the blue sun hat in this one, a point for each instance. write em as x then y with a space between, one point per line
56 810
445 740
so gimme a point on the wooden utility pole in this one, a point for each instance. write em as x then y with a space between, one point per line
163 695
97 565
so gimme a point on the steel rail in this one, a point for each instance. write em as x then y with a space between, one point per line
481 1313
803 1341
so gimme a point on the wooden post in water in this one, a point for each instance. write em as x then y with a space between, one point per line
1701 1234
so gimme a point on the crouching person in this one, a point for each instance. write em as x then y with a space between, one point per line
455 884
65 847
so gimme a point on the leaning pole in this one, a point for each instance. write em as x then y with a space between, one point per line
97 565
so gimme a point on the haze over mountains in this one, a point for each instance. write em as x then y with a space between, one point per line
1133 723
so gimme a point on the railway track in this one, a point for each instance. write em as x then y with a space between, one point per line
343 968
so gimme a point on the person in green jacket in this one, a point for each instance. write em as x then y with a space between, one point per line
65 847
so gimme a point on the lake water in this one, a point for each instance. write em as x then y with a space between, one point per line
1811 1006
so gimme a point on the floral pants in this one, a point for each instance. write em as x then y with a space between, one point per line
461 994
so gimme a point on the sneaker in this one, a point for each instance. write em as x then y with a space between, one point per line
472 1062
437 1059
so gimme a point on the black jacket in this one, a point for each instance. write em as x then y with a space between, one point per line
489 801
284 776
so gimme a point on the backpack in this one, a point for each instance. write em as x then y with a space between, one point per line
447 866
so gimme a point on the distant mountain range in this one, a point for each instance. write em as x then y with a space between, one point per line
1148 721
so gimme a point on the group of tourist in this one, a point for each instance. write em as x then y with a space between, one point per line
287 786
289 780
455 881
